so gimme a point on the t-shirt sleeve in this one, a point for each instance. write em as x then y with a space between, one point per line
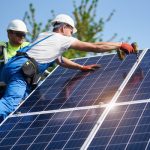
66 42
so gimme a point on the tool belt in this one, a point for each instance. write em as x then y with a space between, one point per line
30 70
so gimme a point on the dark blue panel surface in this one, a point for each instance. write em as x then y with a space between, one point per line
125 127
138 87
66 130
66 88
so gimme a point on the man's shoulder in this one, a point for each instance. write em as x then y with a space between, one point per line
2 43
25 44
45 34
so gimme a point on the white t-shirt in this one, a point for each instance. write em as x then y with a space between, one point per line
51 48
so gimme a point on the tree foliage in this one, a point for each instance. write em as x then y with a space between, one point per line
34 27
87 26
89 29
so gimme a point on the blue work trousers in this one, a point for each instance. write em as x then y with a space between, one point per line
17 88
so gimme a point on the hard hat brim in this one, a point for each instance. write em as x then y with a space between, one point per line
74 30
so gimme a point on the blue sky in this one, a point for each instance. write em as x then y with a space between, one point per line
131 18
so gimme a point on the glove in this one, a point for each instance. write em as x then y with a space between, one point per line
127 48
90 67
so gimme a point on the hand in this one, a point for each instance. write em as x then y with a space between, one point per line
90 67
127 48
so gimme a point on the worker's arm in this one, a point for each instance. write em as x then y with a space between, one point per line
65 62
100 47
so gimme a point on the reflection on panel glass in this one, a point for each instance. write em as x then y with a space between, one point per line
138 87
125 127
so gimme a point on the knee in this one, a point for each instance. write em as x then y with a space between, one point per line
5 108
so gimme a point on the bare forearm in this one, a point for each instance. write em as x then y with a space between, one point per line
97 47
107 46
68 63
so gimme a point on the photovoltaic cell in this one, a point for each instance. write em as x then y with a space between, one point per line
66 88
125 127
138 87
62 130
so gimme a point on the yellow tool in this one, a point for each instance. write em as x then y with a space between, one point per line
3 53
135 46
122 54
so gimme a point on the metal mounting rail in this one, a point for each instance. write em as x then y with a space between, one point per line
80 108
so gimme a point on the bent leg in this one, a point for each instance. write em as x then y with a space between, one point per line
14 93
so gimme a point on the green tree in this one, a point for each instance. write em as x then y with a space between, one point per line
89 29
34 27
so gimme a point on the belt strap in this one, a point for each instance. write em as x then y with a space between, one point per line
25 49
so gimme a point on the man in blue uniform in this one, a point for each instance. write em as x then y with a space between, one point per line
16 32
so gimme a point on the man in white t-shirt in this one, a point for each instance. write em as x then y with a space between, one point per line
18 73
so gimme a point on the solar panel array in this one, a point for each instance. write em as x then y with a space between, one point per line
71 109
69 88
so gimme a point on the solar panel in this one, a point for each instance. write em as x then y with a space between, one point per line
85 110
59 130
125 127
138 87
70 88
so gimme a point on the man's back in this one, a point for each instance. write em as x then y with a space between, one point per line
49 49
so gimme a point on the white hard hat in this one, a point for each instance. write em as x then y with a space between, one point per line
17 25
62 18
